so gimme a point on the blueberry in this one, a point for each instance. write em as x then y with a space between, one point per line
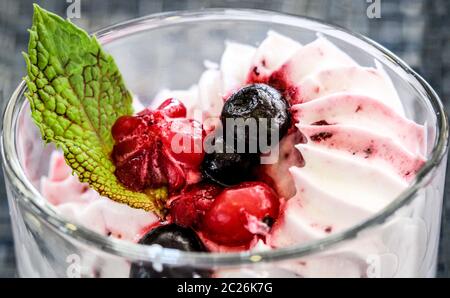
257 101
170 236
230 168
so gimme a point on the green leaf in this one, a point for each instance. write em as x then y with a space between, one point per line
76 94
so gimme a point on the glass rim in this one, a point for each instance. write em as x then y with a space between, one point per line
34 202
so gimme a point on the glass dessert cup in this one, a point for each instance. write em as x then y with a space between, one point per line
168 51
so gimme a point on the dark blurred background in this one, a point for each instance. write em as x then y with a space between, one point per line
416 30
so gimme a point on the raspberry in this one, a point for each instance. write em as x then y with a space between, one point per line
143 153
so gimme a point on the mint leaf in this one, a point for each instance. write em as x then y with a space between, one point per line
76 94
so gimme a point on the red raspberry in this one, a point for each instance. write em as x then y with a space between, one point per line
133 173
126 126
143 153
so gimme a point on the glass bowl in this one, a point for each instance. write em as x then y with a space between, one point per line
168 51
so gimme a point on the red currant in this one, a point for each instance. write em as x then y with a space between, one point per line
173 108
228 220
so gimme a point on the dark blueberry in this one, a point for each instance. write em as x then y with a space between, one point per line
174 236
255 103
228 168
170 236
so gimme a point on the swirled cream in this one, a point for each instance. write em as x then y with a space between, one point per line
359 152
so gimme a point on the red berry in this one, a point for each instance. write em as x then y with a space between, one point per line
133 145
228 220
155 147
126 126
173 108
184 138
133 173
188 208
173 172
